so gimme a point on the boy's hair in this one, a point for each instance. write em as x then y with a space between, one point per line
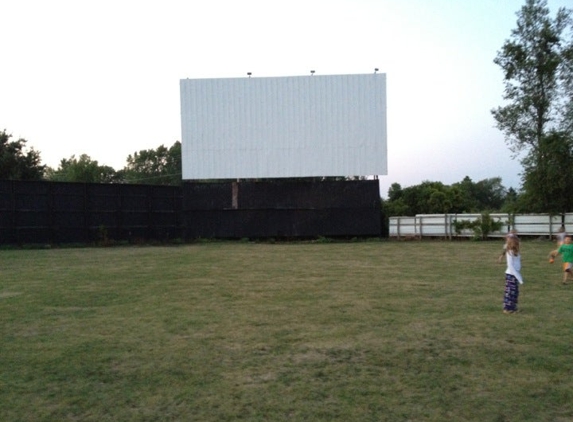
513 245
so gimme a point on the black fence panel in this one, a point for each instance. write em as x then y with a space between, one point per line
54 212
311 195
285 223
7 213
207 196
68 218
32 212
281 209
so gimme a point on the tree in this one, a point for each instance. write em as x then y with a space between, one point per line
427 198
511 203
394 192
467 200
538 71
552 172
18 163
82 169
490 194
161 166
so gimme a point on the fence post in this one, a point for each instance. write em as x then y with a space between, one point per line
446 229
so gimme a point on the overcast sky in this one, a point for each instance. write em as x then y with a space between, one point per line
102 77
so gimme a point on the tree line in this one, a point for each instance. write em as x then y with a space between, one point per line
466 196
160 166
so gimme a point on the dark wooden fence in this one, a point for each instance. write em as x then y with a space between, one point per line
282 209
54 212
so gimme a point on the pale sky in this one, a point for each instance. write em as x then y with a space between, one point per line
102 77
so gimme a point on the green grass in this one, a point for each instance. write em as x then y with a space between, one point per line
358 331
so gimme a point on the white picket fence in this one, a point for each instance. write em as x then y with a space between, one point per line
442 225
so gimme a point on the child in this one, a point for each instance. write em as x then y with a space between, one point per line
513 276
566 252
560 236
511 235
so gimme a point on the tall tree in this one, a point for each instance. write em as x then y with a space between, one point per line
490 194
536 62
548 179
161 166
17 162
82 169
468 201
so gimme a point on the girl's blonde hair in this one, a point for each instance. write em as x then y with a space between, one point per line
512 245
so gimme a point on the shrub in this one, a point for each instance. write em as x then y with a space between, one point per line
481 227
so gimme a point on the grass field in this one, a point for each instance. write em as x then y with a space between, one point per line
228 331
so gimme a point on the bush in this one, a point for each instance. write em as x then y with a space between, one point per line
481 227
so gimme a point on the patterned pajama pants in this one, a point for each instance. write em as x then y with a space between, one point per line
511 293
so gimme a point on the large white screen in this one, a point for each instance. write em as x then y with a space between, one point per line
296 126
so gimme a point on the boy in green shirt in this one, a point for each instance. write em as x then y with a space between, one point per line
566 252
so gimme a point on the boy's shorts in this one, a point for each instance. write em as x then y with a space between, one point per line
567 267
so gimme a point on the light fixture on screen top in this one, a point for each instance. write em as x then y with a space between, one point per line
375 70
312 73
249 74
